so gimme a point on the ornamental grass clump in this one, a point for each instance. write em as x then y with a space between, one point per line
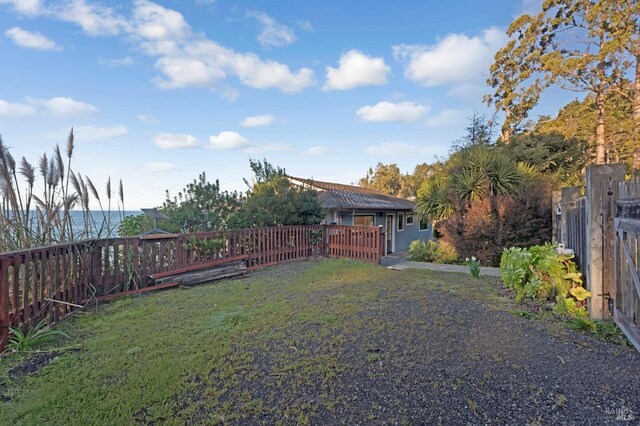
540 273
37 202
36 336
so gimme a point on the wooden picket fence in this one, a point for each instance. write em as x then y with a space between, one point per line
51 282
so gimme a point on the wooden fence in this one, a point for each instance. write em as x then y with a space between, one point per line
603 229
51 282
626 308
574 215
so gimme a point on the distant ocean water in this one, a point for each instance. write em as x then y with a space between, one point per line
98 217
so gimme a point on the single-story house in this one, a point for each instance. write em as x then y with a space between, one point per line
354 205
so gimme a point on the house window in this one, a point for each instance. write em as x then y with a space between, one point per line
363 220
400 221
409 219
424 224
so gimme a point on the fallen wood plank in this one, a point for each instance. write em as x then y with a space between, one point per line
223 271
198 267
109 297
187 282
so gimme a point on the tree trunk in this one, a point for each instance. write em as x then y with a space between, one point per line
506 127
600 141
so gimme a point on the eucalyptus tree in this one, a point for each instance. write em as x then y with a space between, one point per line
580 60
516 76
578 45
624 21
385 178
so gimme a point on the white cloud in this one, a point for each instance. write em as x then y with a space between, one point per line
92 133
269 147
273 34
160 168
31 40
26 7
389 111
399 149
147 119
184 58
95 20
456 59
175 141
315 151
447 118
356 69
258 120
154 22
118 62
228 140
305 26
14 110
64 106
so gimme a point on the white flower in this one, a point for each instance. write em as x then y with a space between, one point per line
467 259
473 258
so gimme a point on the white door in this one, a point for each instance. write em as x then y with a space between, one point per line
390 237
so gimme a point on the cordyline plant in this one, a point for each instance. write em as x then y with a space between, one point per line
28 219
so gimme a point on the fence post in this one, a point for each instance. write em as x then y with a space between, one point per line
4 301
602 183
324 245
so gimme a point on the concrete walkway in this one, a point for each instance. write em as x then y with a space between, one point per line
398 262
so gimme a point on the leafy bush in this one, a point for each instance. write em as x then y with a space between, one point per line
487 226
432 251
540 273
211 246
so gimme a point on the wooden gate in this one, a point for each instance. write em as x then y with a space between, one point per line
626 310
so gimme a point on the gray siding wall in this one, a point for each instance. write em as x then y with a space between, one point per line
410 233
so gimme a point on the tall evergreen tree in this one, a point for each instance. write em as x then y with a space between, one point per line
515 76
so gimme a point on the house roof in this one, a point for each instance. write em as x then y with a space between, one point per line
349 197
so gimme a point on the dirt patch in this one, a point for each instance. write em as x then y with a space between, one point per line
31 365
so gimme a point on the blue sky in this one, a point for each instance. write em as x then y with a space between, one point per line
160 91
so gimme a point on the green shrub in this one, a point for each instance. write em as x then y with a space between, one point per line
540 273
432 251
211 246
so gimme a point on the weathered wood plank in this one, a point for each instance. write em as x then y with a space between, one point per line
198 267
631 330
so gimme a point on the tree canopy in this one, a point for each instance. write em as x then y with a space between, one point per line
584 46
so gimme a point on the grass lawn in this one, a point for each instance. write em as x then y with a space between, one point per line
324 341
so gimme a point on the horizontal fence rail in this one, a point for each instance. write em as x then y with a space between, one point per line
51 282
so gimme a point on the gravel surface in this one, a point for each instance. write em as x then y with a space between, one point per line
329 342
421 354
